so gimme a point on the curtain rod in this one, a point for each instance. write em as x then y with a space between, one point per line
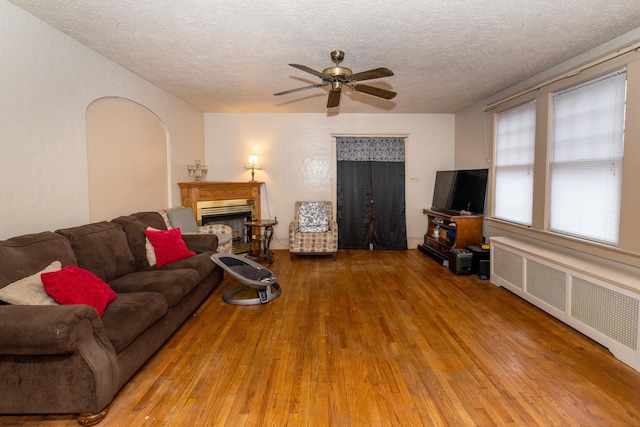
571 73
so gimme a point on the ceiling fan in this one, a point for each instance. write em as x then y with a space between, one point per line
338 76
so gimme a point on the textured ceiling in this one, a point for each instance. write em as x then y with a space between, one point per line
232 56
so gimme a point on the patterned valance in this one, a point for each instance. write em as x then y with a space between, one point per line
370 149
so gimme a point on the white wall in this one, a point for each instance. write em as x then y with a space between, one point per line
298 158
48 81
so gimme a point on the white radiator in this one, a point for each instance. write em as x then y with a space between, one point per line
598 300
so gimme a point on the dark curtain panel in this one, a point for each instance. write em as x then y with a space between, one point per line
388 195
353 210
371 194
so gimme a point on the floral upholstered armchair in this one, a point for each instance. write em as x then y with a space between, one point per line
184 219
313 230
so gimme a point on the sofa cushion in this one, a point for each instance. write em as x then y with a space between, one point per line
151 219
201 263
75 285
172 284
101 248
134 227
23 256
168 246
30 290
130 315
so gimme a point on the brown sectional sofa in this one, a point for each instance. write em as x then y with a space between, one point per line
68 359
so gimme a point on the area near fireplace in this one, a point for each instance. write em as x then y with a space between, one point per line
230 203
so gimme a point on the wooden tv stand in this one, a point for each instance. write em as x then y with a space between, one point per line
454 231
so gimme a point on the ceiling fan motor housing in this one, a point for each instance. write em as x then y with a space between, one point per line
337 72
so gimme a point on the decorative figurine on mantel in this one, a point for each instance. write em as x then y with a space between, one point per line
197 172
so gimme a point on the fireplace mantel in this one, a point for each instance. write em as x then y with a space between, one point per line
202 191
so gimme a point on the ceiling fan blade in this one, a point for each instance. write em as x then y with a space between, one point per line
300 88
375 91
371 74
334 98
312 71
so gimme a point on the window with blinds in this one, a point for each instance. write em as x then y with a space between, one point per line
514 157
587 146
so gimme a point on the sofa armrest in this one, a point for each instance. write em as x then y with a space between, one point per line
55 359
49 329
201 242
333 228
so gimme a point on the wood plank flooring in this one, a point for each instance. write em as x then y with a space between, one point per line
376 338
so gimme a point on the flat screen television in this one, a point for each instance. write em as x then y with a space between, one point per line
460 190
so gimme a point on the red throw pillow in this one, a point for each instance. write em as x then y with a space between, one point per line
168 246
75 285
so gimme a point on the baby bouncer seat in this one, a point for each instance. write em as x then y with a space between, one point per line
251 274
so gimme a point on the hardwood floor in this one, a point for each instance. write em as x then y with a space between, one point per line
376 338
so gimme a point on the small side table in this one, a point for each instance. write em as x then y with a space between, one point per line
264 239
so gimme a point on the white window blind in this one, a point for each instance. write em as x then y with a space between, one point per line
515 143
586 159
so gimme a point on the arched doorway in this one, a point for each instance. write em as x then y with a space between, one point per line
126 159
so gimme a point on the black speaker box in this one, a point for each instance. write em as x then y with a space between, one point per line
461 261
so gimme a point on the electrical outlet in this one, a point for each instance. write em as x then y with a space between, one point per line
413 179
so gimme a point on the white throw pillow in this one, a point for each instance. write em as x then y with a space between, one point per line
30 290
151 253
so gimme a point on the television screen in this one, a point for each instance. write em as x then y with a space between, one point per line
459 190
